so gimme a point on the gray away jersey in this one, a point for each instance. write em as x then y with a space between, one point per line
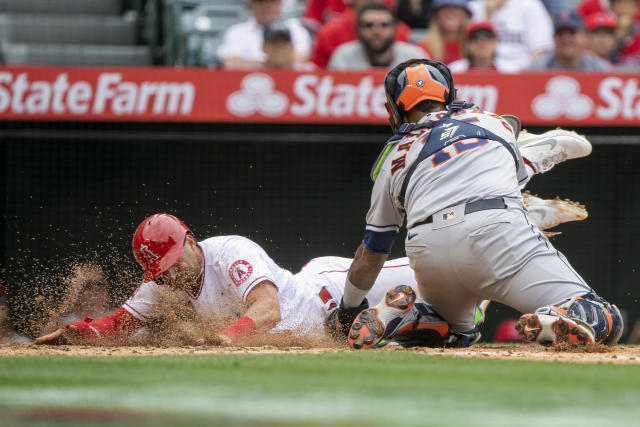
468 170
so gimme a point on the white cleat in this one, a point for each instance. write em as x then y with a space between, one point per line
550 213
546 150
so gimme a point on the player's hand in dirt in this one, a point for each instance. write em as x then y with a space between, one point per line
217 339
58 337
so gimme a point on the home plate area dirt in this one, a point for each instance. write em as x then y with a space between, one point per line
557 353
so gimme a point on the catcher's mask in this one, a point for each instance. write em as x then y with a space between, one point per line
414 81
158 242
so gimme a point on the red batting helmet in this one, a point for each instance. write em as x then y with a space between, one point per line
158 242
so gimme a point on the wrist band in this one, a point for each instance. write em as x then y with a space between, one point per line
244 327
353 296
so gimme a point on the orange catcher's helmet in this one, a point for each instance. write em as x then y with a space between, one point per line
414 81
157 243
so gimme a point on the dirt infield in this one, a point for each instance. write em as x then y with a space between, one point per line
559 353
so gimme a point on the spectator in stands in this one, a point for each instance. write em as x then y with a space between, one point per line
342 30
376 45
319 12
242 44
524 29
415 13
444 39
278 47
554 7
587 7
479 49
601 37
570 47
627 55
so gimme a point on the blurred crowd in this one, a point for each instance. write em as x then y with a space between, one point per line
502 35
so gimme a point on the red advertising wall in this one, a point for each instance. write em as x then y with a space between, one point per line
200 95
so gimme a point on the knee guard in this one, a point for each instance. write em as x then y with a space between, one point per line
602 317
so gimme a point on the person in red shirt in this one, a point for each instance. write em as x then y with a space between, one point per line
627 55
342 30
588 7
444 39
319 12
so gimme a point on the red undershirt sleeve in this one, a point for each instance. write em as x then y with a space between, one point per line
117 323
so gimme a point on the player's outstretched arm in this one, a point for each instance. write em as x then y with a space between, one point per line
55 337
262 314
119 323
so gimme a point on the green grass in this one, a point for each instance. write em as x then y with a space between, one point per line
352 388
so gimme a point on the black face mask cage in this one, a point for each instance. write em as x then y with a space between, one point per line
396 113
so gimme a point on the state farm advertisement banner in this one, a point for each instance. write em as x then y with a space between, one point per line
199 95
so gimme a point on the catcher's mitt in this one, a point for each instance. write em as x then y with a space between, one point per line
339 321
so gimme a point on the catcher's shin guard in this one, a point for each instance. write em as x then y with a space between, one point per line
583 320
602 317
428 329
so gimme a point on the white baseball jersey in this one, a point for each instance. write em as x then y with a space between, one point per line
483 169
234 265
523 27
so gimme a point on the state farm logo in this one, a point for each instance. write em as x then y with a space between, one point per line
109 94
317 95
258 94
562 98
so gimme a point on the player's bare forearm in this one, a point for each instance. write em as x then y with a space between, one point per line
262 314
365 268
263 306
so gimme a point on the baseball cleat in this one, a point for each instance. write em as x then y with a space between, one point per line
374 325
550 213
547 330
546 150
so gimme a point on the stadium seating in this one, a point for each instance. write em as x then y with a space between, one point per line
70 32
193 29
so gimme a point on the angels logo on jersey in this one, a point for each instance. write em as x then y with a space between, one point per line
240 271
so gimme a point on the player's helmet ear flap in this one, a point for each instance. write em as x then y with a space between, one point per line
414 81
158 242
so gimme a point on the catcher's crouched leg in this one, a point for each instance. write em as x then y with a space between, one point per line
585 319
431 330
604 318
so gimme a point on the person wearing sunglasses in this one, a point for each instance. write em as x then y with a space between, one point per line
376 45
